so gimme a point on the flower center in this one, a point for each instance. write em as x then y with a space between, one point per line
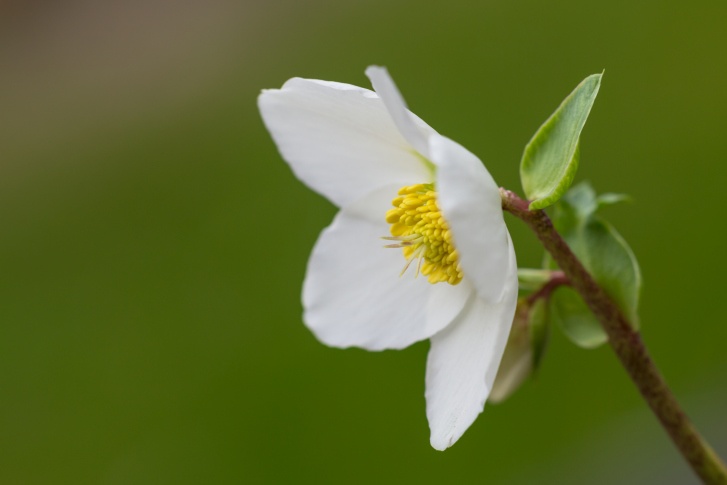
422 233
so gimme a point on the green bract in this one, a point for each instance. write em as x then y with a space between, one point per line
525 347
539 334
550 159
605 255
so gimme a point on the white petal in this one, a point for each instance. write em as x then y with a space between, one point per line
414 129
353 293
463 362
339 139
471 204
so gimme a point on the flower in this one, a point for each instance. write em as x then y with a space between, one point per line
393 176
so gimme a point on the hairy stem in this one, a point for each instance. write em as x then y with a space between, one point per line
626 343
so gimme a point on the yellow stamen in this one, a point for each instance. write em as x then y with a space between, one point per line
422 233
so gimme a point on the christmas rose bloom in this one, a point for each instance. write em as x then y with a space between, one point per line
419 249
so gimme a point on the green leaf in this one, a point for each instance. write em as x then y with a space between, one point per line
613 265
582 201
550 159
604 253
570 313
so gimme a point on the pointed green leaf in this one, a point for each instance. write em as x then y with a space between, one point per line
570 313
550 159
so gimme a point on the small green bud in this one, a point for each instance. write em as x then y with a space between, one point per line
530 279
525 347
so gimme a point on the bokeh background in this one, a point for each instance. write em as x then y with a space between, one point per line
153 242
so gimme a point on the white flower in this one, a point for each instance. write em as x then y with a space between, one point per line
360 149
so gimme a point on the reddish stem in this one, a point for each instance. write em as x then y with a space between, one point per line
626 343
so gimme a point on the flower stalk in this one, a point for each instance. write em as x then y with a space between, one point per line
626 343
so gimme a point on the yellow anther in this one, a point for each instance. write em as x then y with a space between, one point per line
422 233
393 216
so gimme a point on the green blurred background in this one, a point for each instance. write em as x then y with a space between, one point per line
153 241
